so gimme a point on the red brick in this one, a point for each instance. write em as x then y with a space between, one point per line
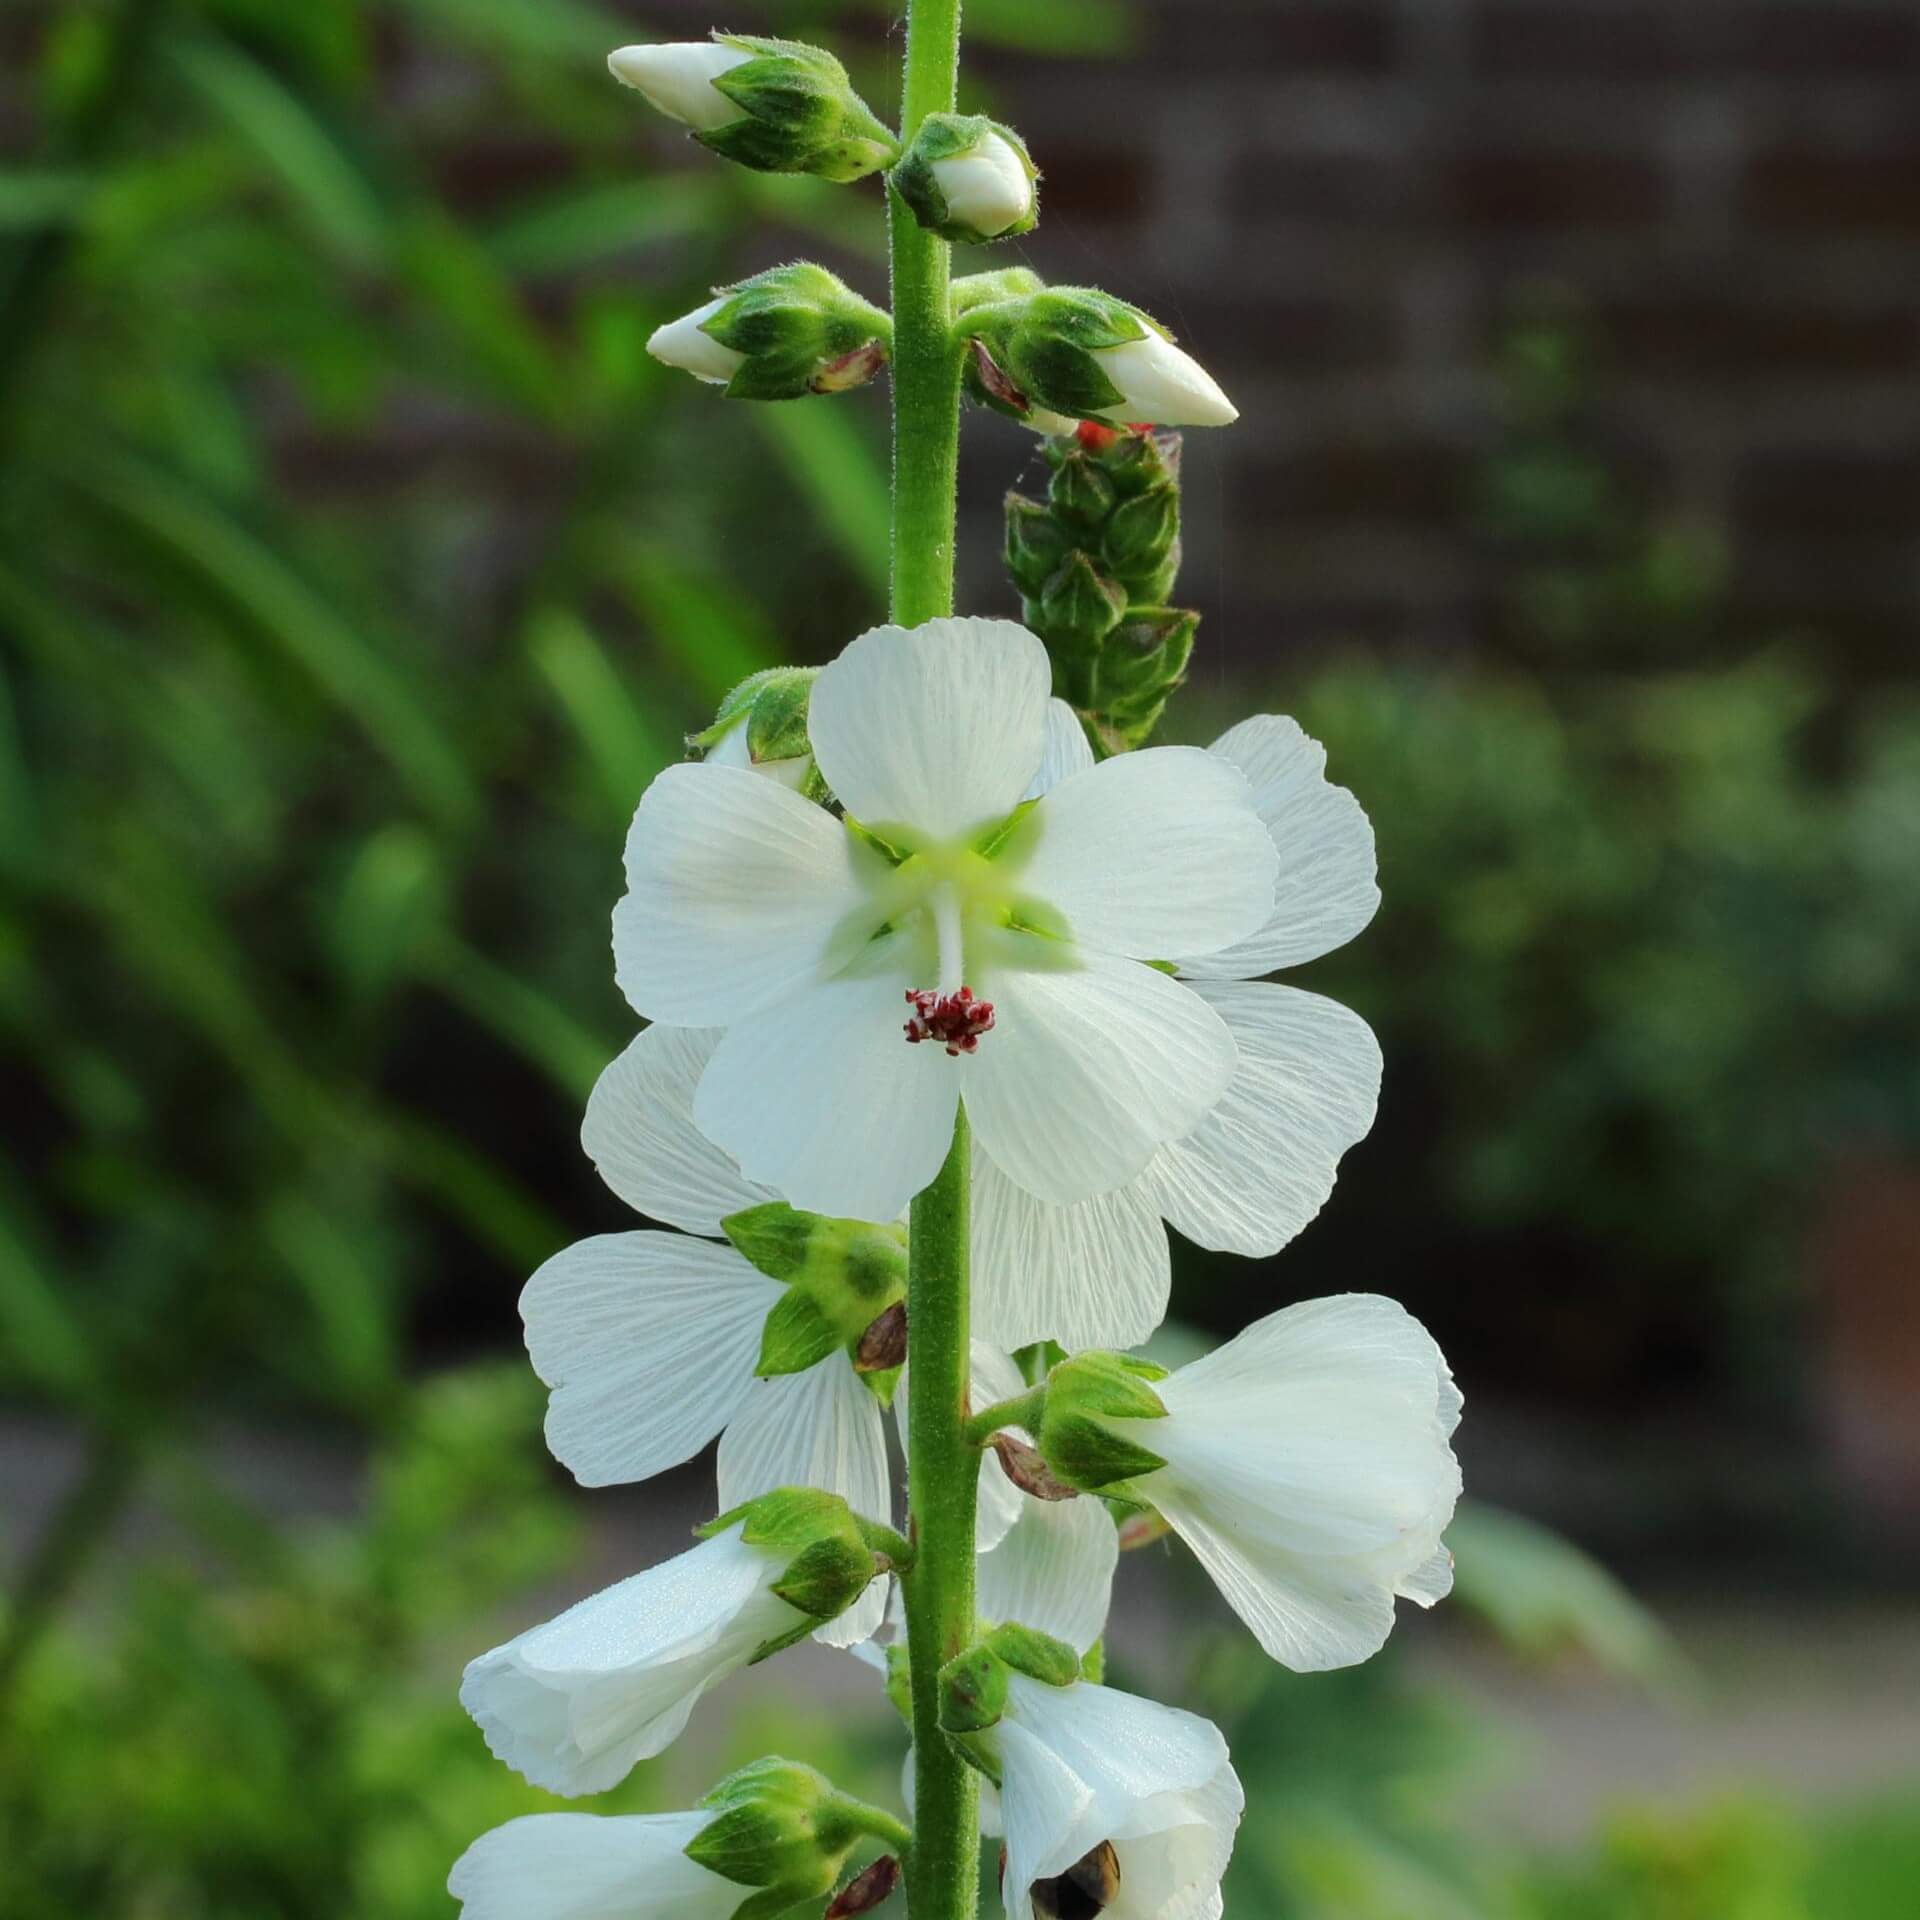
1090 184
1265 40
1589 42
1407 482
1302 334
1829 492
1803 185
1729 338
1333 187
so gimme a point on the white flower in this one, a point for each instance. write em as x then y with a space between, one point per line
1261 1164
1309 1469
989 188
1124 1799
575 1704
583 1866
1162 385
619 1326
808 938
677 78
683 343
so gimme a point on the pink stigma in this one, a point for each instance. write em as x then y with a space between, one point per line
958 1019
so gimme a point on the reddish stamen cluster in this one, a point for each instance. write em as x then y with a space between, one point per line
957 1019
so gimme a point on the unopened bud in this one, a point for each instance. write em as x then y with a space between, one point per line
1079 492
1078 607
1079 354
786 333
828 1563
777 106
762 725
1036 544
1142 661
780 1826
967 178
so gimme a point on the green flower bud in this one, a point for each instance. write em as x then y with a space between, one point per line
1079 492
777 106
968 178
786 333
1036 545
762 724
829 1564
1140 533
985 289
1078 607
841 1276
1142 661
1087 1431
1080 354
782 1828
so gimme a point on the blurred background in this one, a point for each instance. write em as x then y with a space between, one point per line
358 569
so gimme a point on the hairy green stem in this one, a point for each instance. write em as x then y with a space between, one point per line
943 1481
926 354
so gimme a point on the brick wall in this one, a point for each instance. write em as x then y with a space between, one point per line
1333 201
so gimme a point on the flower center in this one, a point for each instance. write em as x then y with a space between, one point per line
1084 1891
956 1018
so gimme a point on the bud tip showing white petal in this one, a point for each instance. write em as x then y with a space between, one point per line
682 343
678 78
988 188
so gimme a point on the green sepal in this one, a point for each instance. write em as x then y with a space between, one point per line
1078 607
1084 1395
788 1517
900 1680
1046 347
1036 544
780 1827
826 1578
800 330
946 136
795 1337
774 1237
1038 1655
973 1690
1000 836
1038 1360
799 114
1140 532
772 704
981 1751
1093 1663
1080 492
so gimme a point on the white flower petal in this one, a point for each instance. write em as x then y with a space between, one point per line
685 343
1068 750
573 1705
1308 1467
676 78
1163 385
823 1100
736 890
1081 1764
618 1326
1261 1164
1054 1571
585 1866
1154 853
1175 1849
1095 1274
1326 891
936 729
1089 1070
639 1132
820 1428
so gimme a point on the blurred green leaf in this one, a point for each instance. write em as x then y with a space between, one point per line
837 469
620 739
38 197
44 1342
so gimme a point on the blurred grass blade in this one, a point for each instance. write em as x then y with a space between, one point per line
574 230
282 129
551 29
1544 1597
624 746
344 1294
256 583
527 1019
391 901
43 1340
712 632
41 197
836 468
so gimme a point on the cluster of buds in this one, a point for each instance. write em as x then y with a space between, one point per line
776 106
785 333
1095 563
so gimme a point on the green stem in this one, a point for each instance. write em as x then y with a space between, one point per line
1024 1410
926 353
944 1867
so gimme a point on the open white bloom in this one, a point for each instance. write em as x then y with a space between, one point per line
623 1325
677 79
1019 938
1309 1468
989 188
583 1866
1260 1165
573 1705
684 343
1111 1805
